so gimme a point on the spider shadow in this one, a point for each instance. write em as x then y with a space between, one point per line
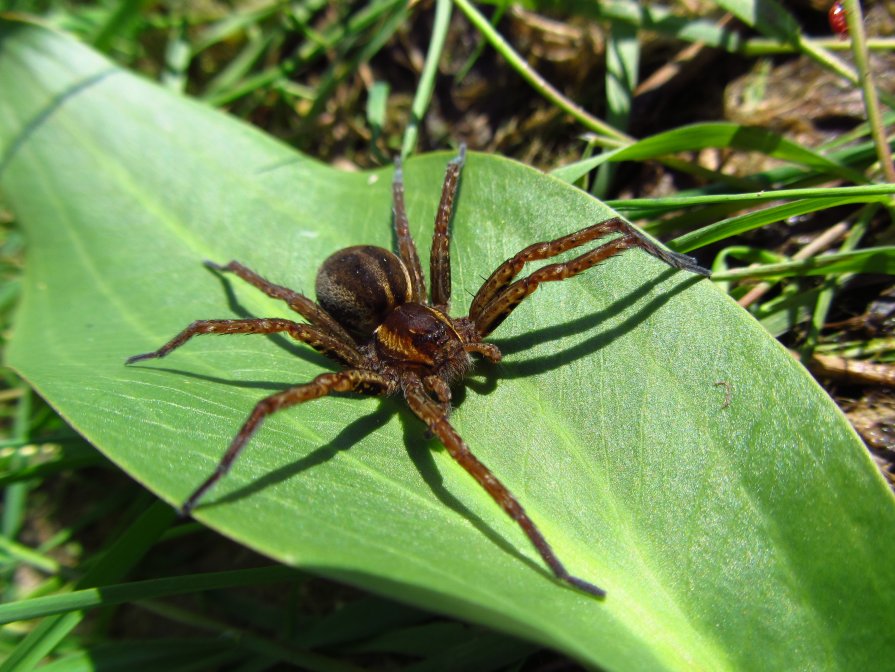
278 165
49 110
349 436
296 349
417 443
420 446
271 386
539 365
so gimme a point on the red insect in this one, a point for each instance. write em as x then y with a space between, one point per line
838 19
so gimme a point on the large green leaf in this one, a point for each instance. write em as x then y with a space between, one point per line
672 452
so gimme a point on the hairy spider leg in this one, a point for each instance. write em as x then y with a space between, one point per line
497 298
509 269
406 246
361 381
431 413
440 257
487 350
439 388
317 338
506 301
297 302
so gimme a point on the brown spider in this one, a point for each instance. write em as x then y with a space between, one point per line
373 318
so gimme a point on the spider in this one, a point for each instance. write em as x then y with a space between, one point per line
372 316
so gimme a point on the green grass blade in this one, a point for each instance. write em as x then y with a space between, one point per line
44 469
713 134
754 220
309 51
124 15
868 260
171 655
177 57
14 496
426 85
366 45
108 595
118 559
14 551
234 23
768 16
871 96
40 642
360 620
657 206
622 68
237 70
782 313
267 649
377 103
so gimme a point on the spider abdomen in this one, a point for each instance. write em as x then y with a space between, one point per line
360 286
418 335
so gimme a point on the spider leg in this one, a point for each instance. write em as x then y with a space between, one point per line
334 348
350 380
406 246
487 350
497 298
436 420
440 257
439 388
296 301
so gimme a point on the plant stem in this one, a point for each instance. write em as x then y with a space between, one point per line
865 77
427 80
607 136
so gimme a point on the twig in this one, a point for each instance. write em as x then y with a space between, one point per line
850 370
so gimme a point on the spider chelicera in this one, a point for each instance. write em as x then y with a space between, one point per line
372 316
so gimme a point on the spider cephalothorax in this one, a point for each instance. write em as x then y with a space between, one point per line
374 318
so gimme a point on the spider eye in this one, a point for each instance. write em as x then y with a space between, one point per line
359 286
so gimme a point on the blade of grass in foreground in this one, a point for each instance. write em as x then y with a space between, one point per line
869 260
108 595
713 134
754 220
114 564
